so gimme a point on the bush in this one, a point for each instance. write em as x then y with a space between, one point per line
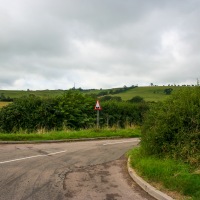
31 113
172 128
123 113
77 110
136 99
110 98
71 110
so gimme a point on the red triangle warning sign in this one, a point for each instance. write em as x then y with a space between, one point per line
97 106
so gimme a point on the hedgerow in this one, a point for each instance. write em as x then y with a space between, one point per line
172 128
123 113
72 110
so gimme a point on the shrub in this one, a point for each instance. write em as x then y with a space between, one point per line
136 99
123 113
172 128
72 110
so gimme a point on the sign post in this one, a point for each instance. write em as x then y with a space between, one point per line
97 108
97 118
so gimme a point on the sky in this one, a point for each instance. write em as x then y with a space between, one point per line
59 44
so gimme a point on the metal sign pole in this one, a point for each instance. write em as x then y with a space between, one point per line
97 108
97 118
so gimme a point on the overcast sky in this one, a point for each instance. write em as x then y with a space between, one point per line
54 44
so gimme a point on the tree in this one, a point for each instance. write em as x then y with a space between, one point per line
2 97
168 91
136 99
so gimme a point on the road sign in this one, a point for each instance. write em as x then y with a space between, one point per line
97 106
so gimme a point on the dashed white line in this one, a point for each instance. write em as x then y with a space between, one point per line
111 143
8 161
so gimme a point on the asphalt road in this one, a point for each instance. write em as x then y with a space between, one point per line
75 171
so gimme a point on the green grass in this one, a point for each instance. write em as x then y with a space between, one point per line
149 93
62 135
173 175
41 93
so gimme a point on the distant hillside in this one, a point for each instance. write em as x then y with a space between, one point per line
20 93
149 93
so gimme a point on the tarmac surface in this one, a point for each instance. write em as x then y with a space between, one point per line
76 170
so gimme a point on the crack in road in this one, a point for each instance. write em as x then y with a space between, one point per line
73 171
107 181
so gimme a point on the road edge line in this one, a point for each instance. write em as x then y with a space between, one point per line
146 186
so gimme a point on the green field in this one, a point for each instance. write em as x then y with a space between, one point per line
41 93
149 93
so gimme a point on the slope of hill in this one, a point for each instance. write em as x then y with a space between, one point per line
149 93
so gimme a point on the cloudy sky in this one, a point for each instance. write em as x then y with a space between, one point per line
54 44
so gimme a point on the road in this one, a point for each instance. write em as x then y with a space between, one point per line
74 171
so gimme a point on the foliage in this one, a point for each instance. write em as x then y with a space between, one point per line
4 98
136 99
173 175
72 109
108 98
172 128
102 93
71 134
123 113
76 110
168 91
28 113
149 93
4 103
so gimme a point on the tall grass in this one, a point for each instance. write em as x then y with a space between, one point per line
70 134
173 175
2 104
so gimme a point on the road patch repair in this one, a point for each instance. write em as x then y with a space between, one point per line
108 181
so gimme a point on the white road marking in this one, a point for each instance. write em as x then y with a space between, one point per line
8 161
111 143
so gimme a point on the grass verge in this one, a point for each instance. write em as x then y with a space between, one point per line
168 174
62 135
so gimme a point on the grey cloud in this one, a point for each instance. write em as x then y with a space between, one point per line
52 44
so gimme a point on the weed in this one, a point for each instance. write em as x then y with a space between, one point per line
42 134
173 175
